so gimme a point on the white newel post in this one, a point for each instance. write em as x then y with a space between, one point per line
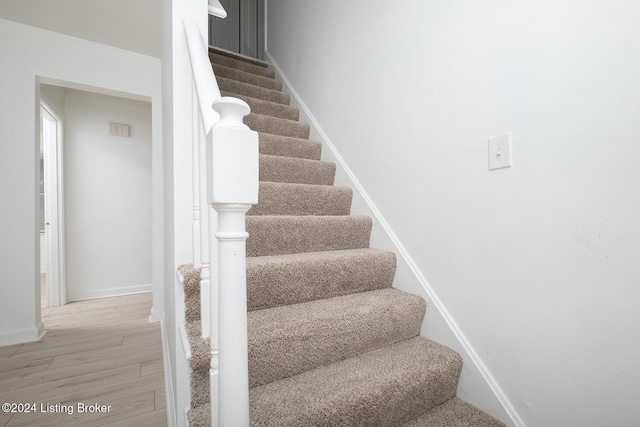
232 168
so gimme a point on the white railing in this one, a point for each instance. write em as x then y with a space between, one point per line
225 185
216 9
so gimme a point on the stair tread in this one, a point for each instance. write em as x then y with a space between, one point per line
455 413
230 85
284 198
284 234
337 273
277 125
268 108
246 77
288 340
274 332
387 386
275 280
238 57
382 387
300 277
285 146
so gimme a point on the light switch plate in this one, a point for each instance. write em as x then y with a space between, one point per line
500 151
118 129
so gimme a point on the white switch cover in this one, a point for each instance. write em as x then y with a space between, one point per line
118 129
500 151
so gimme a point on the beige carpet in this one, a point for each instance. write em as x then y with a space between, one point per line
331 342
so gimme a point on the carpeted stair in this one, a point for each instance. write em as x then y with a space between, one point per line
331 343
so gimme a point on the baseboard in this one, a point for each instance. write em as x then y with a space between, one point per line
185 412
168 378
109 292
21 336
504 405
156 315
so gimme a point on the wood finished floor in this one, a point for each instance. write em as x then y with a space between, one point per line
100 351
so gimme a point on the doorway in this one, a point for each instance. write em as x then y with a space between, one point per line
242 31
51 270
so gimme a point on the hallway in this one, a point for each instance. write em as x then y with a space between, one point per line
102 352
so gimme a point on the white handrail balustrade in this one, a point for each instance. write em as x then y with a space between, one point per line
206 91
216 9
225 181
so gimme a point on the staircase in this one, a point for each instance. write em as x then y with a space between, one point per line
331 342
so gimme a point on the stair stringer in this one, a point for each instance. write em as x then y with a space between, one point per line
476 384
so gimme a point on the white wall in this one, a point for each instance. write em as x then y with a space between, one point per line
129 25
107 185
43 253
536 264
177 206
32 56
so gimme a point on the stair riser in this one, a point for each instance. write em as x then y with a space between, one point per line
296 171
272 281
277 126
191 284
282 235
295 199
242 76
200 351
199 387
282 146
267 108
455 412
192 307
384 387
241 64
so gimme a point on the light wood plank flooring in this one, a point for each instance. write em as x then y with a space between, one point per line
101 352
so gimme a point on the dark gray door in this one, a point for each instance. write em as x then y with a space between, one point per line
242 31
225 33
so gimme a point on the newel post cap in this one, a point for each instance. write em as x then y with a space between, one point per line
232 156
231 111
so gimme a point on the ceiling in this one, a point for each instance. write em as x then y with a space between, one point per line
127 24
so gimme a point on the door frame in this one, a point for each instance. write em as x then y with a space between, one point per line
54 206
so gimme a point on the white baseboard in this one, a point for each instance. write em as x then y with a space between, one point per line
108 292
168 377
21 336
504 409
185 412
156 315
